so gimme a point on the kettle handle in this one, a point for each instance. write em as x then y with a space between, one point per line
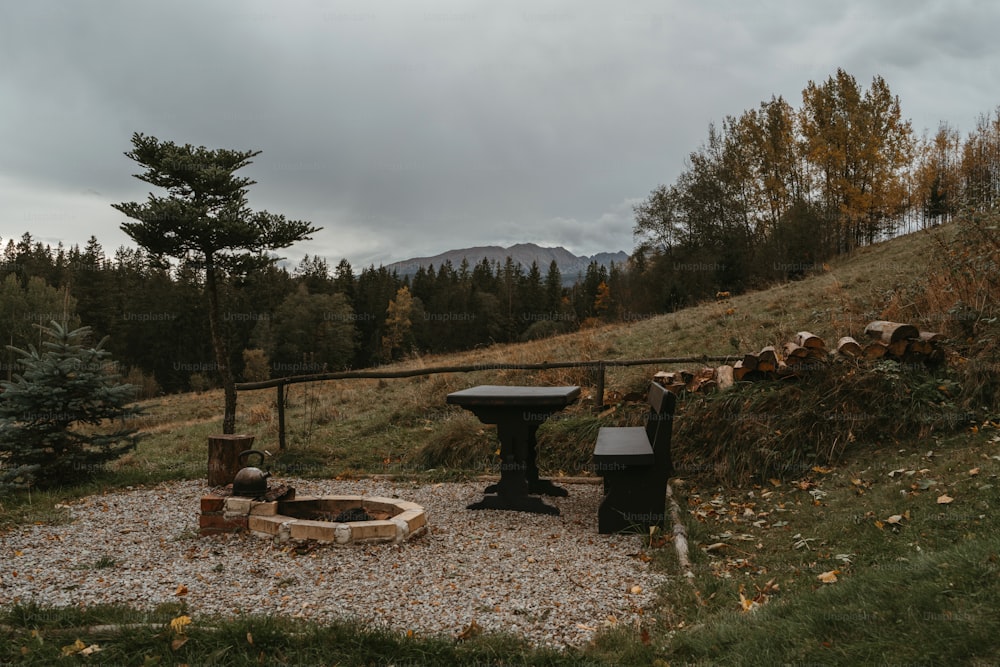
249 452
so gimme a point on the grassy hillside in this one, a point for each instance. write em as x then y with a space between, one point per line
404 426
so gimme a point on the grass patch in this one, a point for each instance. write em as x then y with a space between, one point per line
34 635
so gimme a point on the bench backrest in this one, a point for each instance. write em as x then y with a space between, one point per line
660 423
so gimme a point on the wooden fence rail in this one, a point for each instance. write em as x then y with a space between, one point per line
599 365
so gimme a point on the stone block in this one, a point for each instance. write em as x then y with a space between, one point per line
373 530
415 520
269 525
321 531
263 509
238 506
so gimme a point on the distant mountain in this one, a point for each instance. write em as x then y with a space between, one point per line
570 266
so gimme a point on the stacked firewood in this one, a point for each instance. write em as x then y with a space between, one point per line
807 352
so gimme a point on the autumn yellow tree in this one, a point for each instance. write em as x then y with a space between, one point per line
398 323
981 164
937 176
860 148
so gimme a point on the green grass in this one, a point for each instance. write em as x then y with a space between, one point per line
34 635
918 589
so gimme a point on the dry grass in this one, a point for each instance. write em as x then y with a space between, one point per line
403 425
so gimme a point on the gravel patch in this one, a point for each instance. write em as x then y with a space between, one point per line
552 579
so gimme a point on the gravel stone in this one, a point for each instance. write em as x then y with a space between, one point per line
552 579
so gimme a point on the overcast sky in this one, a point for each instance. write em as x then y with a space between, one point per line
410 128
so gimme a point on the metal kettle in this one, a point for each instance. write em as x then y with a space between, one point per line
250 481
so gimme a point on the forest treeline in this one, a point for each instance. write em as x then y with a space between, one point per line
278 321
770 195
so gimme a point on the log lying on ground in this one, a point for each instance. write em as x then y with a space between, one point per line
849 347
794 353
809 340
724 377
767 360
891 332
875 350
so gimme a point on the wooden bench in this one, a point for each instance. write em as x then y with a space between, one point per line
635 463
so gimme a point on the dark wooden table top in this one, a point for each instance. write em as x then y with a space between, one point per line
489 395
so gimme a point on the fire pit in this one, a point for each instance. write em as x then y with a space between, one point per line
331 519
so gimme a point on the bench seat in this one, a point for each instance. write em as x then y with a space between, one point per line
622 445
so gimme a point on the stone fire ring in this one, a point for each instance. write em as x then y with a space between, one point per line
393 520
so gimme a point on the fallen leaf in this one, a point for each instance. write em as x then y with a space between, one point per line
471 630
635 590
944 499
879 525
90 650
715 547
895 518
179 642
181 590
821 470
179 624
829 577
74 648
250 639
973 472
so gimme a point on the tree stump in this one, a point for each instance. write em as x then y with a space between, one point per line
224 457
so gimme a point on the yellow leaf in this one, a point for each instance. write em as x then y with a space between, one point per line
471 630
879 525
747 605
829 577
74 648
821 470
179 624
635 590
944 499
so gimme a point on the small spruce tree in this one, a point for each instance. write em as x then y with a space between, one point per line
51 413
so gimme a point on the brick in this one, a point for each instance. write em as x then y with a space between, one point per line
212 503
217 523
321 531
263 509
373 530
270 525
238 506
406 505
414 519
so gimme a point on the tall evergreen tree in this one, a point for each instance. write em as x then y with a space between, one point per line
205 219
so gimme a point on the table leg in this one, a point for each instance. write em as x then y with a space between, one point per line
512 492
535 485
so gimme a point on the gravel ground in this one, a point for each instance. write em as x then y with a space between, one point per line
552 579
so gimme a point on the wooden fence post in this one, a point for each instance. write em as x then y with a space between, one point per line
599 399
281 416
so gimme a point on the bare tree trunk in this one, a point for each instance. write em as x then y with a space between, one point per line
221 350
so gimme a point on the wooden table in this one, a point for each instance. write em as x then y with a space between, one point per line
517 413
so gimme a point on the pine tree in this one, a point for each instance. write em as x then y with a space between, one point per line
205 220
51 413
